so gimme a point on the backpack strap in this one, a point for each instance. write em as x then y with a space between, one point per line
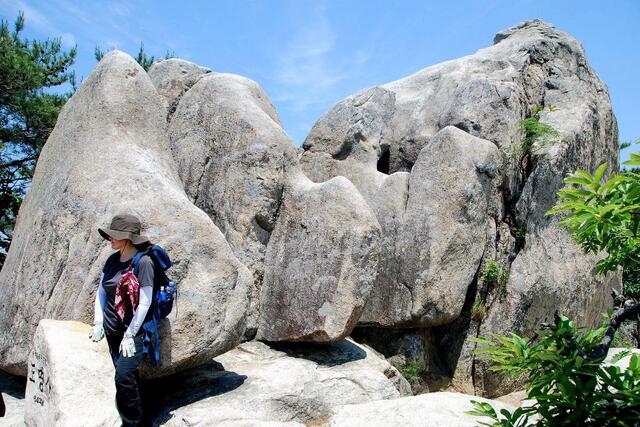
136 261
151 342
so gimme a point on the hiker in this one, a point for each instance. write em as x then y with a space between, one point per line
121 308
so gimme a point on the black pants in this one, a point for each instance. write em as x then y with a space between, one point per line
127 378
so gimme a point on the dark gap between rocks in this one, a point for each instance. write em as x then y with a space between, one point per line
384 160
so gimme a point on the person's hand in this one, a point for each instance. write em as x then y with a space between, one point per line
128 346
97 332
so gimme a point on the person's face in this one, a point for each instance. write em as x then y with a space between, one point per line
118 244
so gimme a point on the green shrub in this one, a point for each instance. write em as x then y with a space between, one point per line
494 275
564 377
491 272
534 132
410 371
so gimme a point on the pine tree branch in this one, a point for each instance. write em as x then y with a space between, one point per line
18 162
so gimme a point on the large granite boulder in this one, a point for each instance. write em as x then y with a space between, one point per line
532 71
320 263
231 154
70 379
291 384
109 153
173 77
439 233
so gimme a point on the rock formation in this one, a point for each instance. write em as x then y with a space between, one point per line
108 153
532 71
426 410
173 78
402 196
320 263
302 383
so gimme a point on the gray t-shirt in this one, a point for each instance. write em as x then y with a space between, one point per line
113 271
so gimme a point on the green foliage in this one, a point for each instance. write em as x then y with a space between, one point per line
536 131
141 57
568 388
494 275
27 113
410 371
604 216
537 135
478 311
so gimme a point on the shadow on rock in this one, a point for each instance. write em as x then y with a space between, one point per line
324 354
163 395
12 385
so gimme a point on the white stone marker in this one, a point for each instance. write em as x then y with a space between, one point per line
69 378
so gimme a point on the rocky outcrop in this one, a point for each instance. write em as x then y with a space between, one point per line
235 160
426 410
173 78
415 187
109 153
320 264
533 71
253 384
70 379
304 383
231 154
439 235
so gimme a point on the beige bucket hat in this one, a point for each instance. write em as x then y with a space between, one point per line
124 226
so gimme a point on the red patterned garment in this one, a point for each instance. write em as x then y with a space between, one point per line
127 293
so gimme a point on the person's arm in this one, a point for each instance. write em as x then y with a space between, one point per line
97 332
100 303
145 278
146 293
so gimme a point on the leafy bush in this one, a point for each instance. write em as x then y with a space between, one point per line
536 131
565 378
491 272
604 216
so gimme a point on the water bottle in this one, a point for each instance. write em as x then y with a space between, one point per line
162 295
171 290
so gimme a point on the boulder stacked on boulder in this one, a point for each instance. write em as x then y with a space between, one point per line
402 196
435 250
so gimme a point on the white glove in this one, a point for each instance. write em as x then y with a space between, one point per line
97 332
128 346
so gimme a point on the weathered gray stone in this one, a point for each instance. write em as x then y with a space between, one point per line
425 410
70 378
297 383
434 229
109 153
173 78
320 263
486 94
350 140
231 154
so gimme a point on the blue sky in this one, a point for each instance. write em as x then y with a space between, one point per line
308 55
